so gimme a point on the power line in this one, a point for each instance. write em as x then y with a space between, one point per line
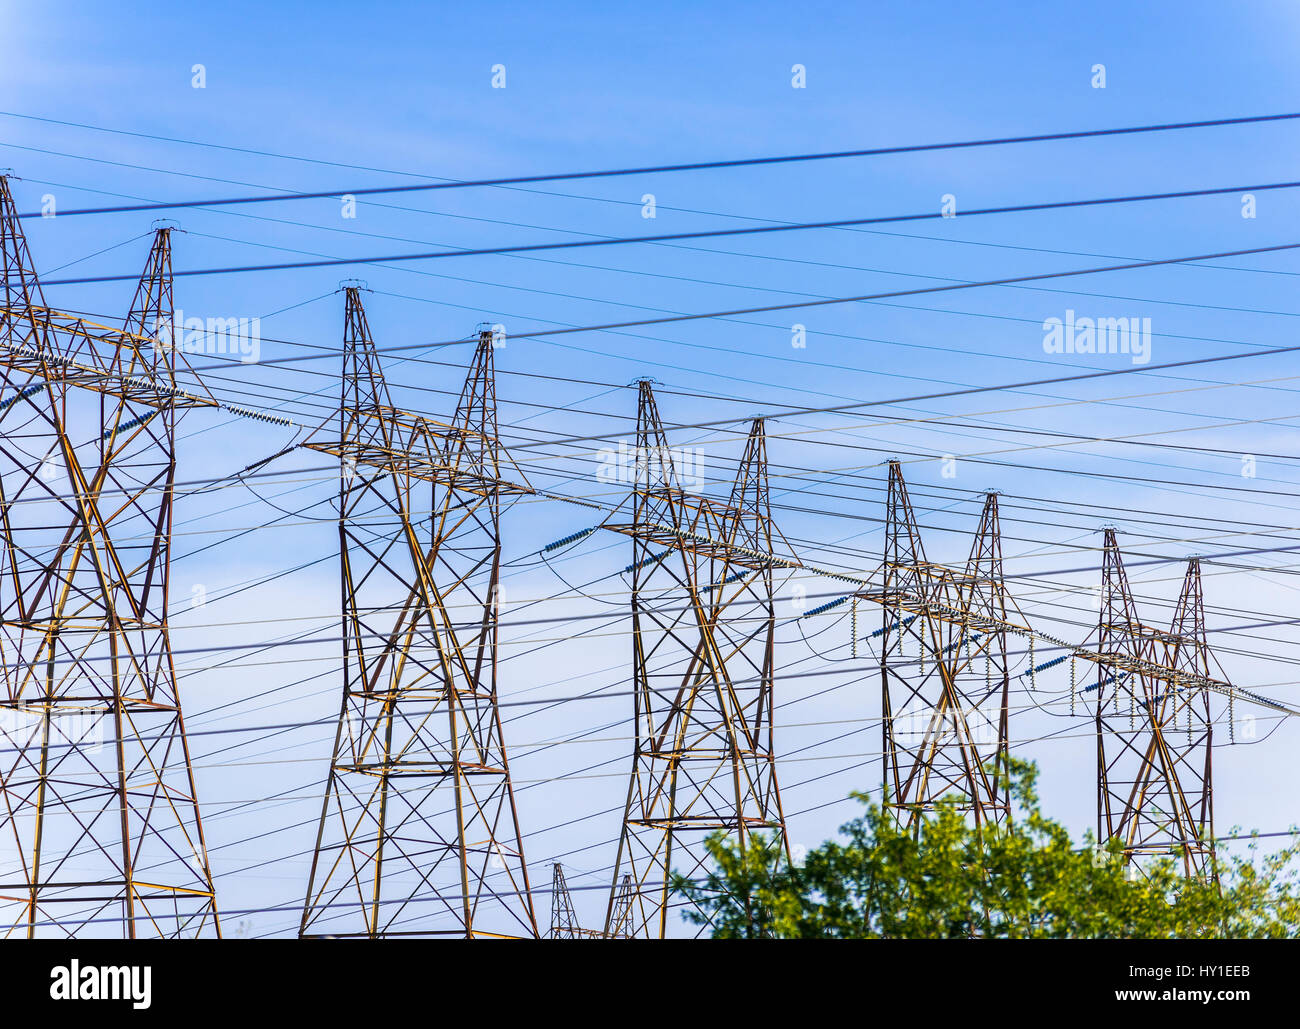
661 168
572 244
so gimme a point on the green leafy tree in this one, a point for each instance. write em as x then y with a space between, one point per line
1028 879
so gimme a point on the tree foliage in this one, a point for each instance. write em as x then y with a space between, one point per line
946 879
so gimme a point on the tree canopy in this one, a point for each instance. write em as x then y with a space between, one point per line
946 878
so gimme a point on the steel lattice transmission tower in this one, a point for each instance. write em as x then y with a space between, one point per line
1154 729
943 669
419 835
703 627
100 829
620 919
564 920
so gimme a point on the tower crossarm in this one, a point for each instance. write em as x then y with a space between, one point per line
75 351
417 448
704 529
1163 673
914 604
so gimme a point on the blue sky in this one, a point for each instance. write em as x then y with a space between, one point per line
396 92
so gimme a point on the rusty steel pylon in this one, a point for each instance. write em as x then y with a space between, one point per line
419 835
100 830
1154 729
564 920
703 626
944 675
620 920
